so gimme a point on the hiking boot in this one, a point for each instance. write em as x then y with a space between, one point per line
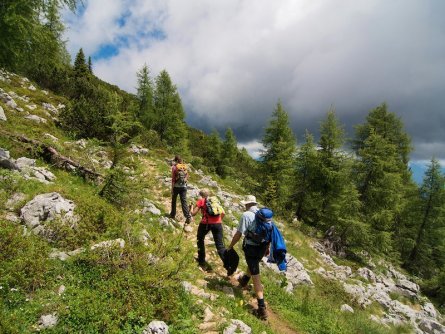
243 281
261 313
205 266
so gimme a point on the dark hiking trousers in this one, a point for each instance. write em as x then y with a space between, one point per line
182 192
217 231
254 255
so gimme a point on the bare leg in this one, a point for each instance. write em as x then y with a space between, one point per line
258 287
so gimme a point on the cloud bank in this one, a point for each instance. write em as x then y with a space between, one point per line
232 60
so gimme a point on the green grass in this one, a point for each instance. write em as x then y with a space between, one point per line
121 291
317 309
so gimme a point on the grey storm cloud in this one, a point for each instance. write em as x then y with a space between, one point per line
233 60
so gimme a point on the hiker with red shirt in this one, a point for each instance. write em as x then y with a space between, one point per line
179 187
208 223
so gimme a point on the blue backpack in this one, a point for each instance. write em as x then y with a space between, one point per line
264 227
266 232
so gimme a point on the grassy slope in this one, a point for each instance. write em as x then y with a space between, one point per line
120 292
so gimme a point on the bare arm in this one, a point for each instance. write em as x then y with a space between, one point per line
235 239
194 210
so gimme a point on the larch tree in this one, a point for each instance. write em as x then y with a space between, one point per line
305 195
379 183
169 114
386 129
145 97
228 153
31 37
427 255
278 158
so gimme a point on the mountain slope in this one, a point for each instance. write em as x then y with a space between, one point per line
72 262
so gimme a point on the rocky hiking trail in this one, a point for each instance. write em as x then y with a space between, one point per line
217 277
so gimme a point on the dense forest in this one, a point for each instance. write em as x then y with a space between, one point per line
360 189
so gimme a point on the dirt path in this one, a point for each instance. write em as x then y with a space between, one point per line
277 324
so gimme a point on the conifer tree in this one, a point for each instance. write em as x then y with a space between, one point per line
229 147
427 254
80 65
390 127
90 65
31 37
339 198
115 187
169 114
379 184
305 194
228 153
212 151
386 129
145 97
278 156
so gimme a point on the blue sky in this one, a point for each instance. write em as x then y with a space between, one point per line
232 60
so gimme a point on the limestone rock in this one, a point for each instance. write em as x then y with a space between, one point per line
45 208
156 327
197 291
431 326
367 274
13 200
6 162
150 207
237 326
48 321
61 290
346 308
36 118
50 136
107 244
136 149
2 115
50 108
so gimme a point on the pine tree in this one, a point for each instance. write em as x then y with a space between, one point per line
278 156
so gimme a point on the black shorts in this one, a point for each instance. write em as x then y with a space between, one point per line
253 255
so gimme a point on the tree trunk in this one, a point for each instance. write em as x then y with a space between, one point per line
50 155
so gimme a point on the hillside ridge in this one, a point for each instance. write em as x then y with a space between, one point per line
132 263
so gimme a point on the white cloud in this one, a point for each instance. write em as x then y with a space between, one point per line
232 60
254 148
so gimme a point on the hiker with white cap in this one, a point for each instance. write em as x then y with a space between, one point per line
253 252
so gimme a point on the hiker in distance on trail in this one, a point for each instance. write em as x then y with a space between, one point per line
179 187
212 215
254 250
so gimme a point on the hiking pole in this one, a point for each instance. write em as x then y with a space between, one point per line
181 236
